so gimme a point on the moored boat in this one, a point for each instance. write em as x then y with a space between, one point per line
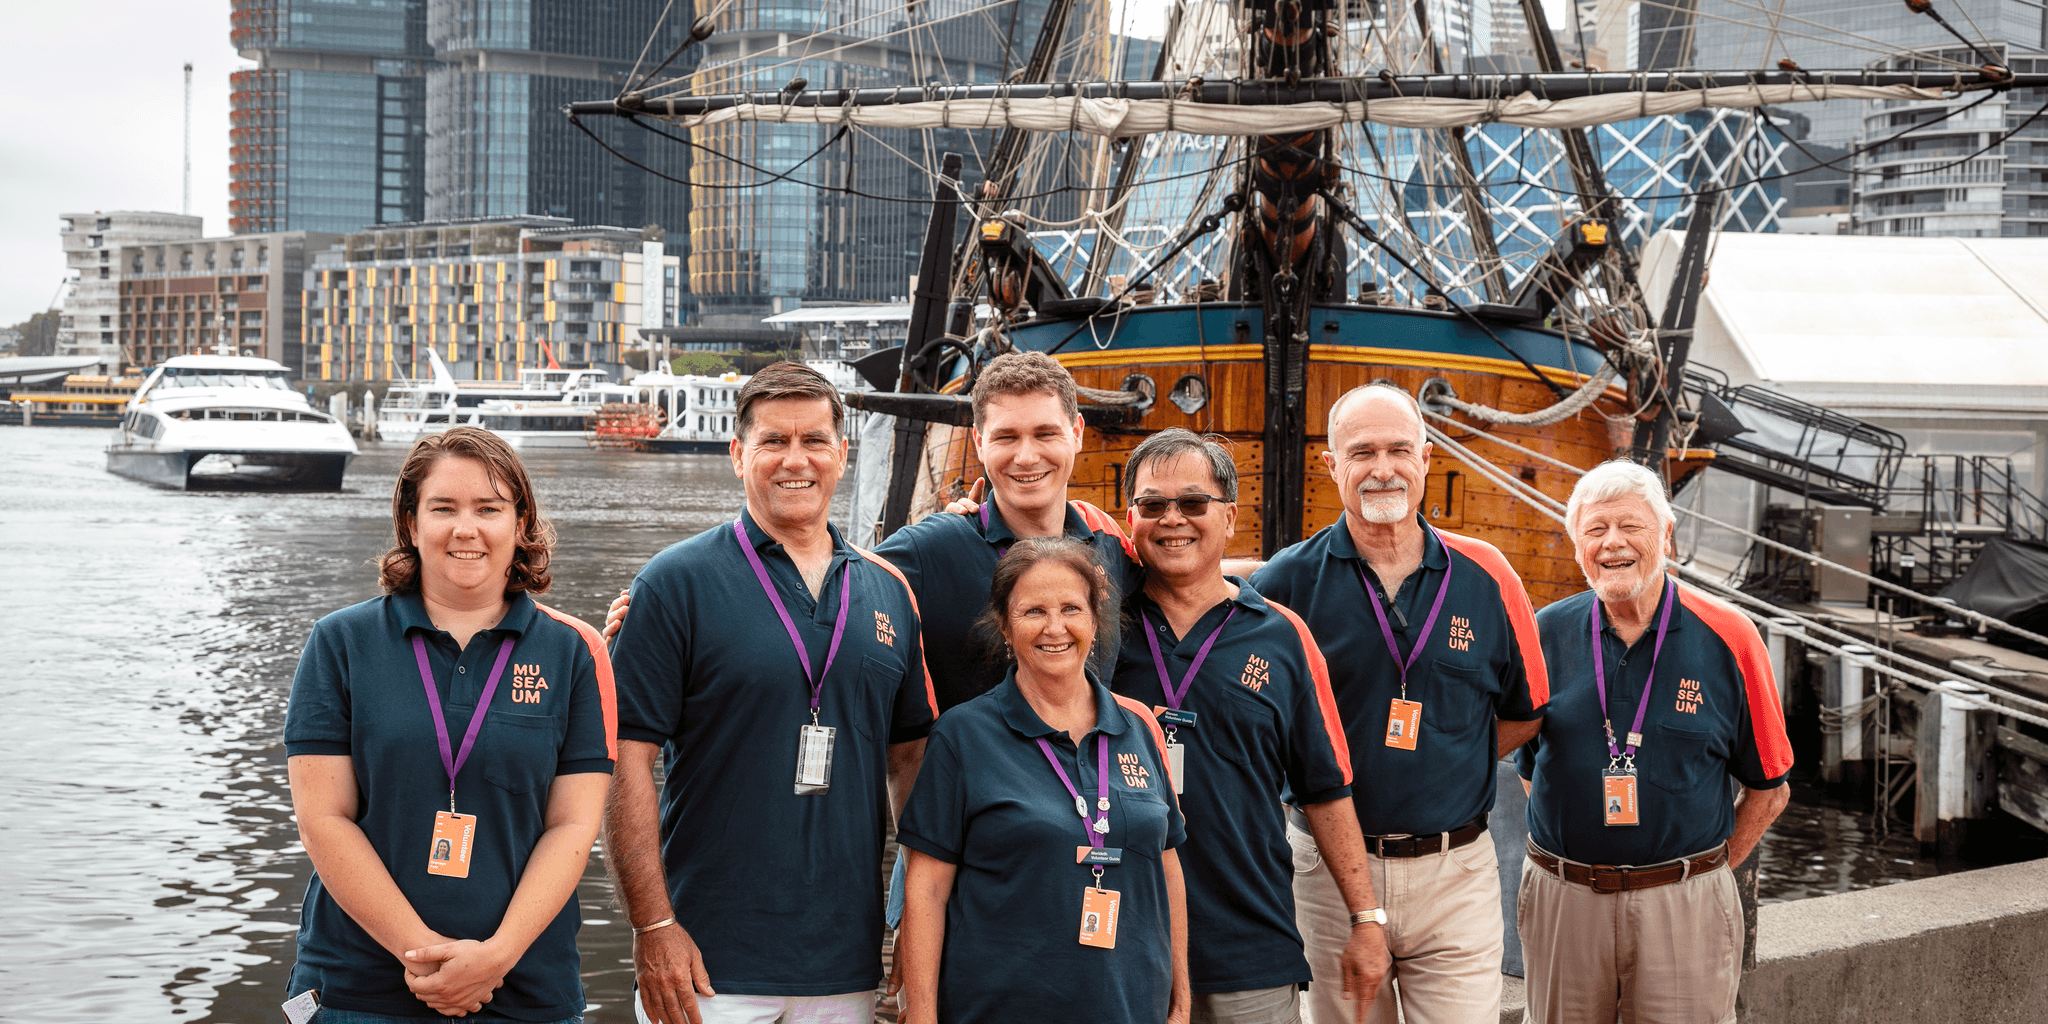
228 421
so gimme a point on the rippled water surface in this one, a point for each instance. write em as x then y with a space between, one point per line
151 868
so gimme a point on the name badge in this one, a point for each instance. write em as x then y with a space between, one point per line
1404 722
301 1008
1618 795
454 838
1091 855
1098 917
1169 716
1177 765
814 759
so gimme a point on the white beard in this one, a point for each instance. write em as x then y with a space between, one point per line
1615 591
1383 506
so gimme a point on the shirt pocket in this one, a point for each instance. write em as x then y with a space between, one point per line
1680 760
520 751
1455 700
872 708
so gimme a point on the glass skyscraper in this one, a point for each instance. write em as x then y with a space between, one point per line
367 112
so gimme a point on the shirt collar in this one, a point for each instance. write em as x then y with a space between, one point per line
762 540
1019 716
1677 614
1247 598
412 614
998 530
1434 554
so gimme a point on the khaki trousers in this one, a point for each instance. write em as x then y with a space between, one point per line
1444 930
1666 955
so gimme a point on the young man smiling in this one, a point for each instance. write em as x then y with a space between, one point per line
781 670
1663 695
1431 632
1242 691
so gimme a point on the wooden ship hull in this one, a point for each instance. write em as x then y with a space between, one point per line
1358 345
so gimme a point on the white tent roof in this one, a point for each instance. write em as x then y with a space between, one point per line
1870 320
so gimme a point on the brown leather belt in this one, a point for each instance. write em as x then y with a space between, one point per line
1607 879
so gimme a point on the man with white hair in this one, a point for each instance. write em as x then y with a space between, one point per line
1437 674
1662 694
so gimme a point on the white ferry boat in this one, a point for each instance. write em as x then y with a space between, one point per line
698 413
415 407
200 421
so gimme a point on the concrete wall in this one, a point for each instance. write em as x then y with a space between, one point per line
1962 948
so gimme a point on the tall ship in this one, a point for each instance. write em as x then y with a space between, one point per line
228 422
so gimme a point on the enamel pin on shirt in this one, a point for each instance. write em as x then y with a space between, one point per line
813 741
454 836
1618 779
1173 716
1098 905
1404 716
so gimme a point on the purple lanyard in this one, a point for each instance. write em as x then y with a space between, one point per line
1100 826
1001 551
803 653
1173 698
1387 630
452 759
1635 732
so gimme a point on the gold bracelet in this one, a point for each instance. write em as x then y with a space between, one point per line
663 923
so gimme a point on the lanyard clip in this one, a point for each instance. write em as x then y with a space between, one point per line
814 714
451 799
1098 876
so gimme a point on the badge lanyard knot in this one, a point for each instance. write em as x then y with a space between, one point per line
803 654
1616 753
1387 630
453 759
1175 697
1099 826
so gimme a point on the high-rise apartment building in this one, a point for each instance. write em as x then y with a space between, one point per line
1960 176
490 296
92 243
368 112
235 296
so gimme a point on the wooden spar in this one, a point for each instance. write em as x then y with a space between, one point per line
1316 90
927 324
1681 310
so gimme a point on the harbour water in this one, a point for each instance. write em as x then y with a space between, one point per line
152 871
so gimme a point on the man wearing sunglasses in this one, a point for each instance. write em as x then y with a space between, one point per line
1243 695
1437 673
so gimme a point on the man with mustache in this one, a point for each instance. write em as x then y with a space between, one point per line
1664 693
781 672
1432 632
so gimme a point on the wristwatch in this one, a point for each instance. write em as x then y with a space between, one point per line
1377 915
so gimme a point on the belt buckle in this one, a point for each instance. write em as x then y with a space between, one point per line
1593 880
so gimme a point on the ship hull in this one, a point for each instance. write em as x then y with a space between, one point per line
209 470
1217 344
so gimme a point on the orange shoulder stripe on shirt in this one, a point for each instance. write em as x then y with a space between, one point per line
1327 701
1101 522
1158 739
930 696
607 694
1515 599
1766 714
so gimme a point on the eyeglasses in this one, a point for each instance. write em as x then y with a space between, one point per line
1191 506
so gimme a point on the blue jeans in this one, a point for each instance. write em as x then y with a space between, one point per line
330 1015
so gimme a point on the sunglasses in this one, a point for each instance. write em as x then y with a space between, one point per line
1191 506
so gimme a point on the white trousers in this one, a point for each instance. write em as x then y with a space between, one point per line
851 1008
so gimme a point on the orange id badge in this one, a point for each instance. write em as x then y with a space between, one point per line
1098 917
1404 720
1618 794
454 840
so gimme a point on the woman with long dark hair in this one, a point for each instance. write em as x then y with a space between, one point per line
1042 880
450 745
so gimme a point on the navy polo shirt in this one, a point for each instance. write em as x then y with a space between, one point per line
781 892
1480 662
950 559
1266 725
1713 715
358 694
988 803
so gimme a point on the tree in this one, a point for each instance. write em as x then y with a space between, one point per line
702 364
38 335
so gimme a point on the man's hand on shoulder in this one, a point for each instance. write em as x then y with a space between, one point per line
970 504
615 616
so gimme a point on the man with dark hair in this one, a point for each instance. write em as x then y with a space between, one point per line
797 656
1242 692
1437 674
1027 434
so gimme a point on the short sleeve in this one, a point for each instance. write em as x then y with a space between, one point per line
317 715
901 550
1318 755
1525 682
916 706
935 817
651 660
590 744
1525 757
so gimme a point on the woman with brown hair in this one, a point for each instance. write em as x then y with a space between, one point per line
450 745
1042 880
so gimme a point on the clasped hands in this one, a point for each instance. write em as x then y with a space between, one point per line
456 977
